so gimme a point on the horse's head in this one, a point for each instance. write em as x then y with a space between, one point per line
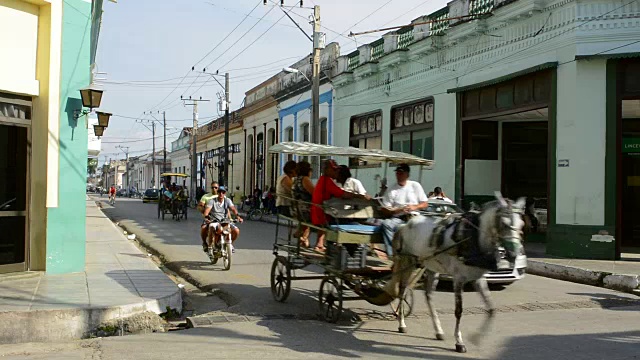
501 224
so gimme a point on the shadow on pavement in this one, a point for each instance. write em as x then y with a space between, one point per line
615 345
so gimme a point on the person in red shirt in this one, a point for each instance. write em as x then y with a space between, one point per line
325 189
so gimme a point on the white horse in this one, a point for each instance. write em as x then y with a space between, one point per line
465 248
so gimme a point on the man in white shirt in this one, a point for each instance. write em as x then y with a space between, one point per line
399 200
348 183
438 194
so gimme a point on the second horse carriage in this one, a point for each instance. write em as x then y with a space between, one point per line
173 199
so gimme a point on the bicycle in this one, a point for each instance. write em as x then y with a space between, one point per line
257 213
222 248
112 200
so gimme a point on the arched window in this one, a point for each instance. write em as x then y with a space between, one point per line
288 135
324 134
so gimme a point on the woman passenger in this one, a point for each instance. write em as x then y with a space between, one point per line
302 191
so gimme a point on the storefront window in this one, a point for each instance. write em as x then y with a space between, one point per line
365 133
412 129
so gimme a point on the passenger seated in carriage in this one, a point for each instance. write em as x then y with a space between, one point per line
349 183
324 190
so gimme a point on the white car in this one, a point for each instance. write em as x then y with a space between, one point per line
506 273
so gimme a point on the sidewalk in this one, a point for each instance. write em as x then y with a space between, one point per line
119 281
621 275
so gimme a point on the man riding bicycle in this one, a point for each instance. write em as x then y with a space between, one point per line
217 209
112 194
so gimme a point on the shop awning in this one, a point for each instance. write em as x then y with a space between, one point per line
628 55
544 66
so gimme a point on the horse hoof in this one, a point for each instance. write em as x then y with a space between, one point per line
439 336
402 330
461 348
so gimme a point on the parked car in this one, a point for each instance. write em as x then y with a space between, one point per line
506 273
151 195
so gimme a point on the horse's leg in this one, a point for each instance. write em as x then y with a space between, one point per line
402 327
458 287
483 289
430 283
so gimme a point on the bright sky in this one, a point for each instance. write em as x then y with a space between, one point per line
147 47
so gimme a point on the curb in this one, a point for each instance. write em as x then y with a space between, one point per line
624 283
226 297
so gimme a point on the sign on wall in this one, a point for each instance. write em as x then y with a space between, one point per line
233 148
631 145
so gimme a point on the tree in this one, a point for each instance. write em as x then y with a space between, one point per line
92 165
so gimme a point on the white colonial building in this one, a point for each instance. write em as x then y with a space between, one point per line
535 98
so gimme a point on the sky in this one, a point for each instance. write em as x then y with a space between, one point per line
147 48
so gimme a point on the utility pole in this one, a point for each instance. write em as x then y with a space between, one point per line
126 166
226 132
318 45
164 159
194 139
224 106
153 154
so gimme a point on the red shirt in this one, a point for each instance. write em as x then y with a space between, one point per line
325 190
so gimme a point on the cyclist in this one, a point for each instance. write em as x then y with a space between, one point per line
217 209
112 194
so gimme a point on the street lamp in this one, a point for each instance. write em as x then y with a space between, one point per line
91 96
289 70
103 118
98 130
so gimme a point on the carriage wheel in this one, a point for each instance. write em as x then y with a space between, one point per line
280 279
330 299
408 303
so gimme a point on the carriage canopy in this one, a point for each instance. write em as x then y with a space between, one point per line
310 149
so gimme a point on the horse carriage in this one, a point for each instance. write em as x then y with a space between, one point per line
174 201
464 245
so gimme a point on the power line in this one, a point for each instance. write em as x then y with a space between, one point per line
139 140
258 38
229 34
241 37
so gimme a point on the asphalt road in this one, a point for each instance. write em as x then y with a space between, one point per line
538 318
248 280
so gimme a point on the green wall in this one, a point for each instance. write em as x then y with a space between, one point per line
66 233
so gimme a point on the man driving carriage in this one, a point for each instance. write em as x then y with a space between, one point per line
217 209
400 200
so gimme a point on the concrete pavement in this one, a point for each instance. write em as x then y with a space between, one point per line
583 334
118 281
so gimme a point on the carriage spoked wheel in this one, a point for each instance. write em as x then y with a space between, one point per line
408 303
330 299
280 279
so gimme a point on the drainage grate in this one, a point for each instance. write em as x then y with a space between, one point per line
359 314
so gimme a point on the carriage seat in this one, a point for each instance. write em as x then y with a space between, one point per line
351 208
355 234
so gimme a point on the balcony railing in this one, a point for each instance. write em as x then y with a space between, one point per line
480 6
439 24
353 60
405 37
377 49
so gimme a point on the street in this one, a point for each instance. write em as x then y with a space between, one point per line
537 317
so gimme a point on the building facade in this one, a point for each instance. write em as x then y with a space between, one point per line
143 174
260 117
48 50
532 98
180 159
210 153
